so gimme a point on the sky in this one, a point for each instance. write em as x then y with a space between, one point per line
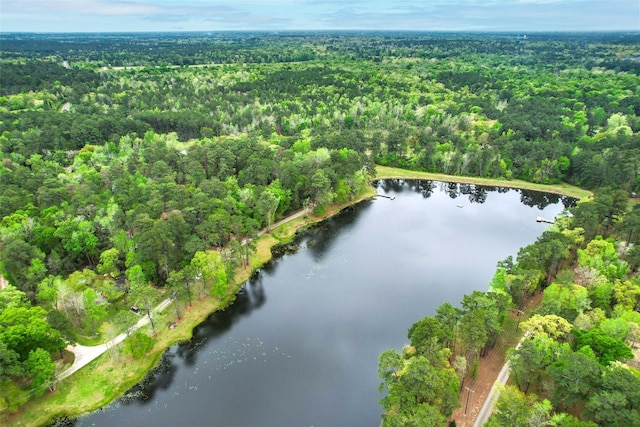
282 15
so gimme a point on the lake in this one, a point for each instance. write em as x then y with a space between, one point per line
299 347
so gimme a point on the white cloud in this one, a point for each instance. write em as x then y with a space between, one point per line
210 15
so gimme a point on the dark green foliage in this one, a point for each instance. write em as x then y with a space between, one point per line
575 376
617 401
424 333
37 75
60 322
144 168
606 348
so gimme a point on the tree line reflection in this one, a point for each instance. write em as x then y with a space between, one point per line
474 193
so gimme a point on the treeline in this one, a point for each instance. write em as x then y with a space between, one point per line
35 75
81 244
137 159
576 357
577 353
164 198
462 105
183 49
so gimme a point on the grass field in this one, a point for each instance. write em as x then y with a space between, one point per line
563 188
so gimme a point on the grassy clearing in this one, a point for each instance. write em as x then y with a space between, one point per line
563 188
88 389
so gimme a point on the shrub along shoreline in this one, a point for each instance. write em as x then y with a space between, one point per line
94 386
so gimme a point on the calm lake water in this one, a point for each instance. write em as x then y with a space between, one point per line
300 345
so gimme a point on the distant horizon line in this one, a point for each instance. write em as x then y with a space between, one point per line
514 32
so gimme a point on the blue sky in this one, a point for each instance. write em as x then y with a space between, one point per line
216 15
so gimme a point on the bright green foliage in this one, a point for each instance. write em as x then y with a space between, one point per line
41 368
601 295
80 239
566 420
550 326
423 415
109 262
48 291
602 256
627 294
209 270
160 164
565 300
135 275
13 396
80 280
499 281
221 285
11 297
138 345
26 329
25 339
617 328
514 408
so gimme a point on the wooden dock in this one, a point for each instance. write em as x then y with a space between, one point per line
548 221
386 197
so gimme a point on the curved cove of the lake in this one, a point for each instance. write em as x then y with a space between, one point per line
299 347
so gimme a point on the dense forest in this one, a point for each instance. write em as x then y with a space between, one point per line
135 166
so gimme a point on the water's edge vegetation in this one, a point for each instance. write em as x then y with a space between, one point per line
136 167
103 370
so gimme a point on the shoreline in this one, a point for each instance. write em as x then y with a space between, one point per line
563 189
90 389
